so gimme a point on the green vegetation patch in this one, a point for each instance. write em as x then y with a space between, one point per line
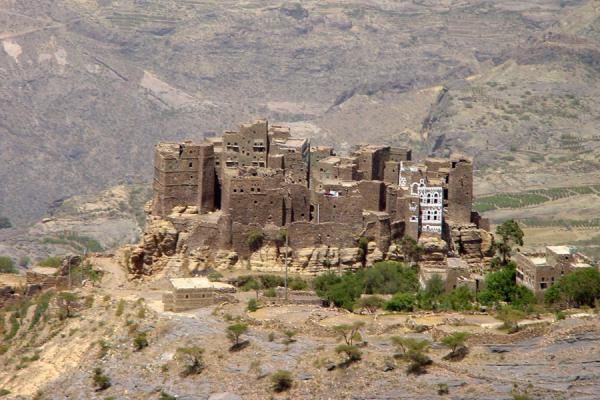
75 241
530 197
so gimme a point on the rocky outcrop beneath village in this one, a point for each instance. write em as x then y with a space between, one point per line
159 241
163 240
474 245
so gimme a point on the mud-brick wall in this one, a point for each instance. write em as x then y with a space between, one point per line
373 195
460 192
188 299
305 234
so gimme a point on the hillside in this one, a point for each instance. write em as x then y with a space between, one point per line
90 86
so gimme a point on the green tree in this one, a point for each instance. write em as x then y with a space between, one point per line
430 296
510 234
401 302
455 340
282 380
192 358
460 299
414 351
578 288
349 332
501 286
389 277
254 285
235 331
7 265
411 249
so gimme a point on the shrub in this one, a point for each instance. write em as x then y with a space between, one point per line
369 303
282 380
4 392
7 265
120 308
351 352
140 341
429 297
101 381
443 389
166 396
297 284
67 301
289 336
270 292
455 340
389 277
24 261
5 223
401 302
235 331
51 262
408 344
255 239
41 307
192 357
252 305
214 276
460 299
510 316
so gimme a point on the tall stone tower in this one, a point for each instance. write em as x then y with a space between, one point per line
184 175
460 191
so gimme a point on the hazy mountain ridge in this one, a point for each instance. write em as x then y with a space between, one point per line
90 86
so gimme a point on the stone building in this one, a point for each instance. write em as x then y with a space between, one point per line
539 271
261 179
191 293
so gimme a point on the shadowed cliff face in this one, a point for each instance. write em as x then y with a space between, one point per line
88 87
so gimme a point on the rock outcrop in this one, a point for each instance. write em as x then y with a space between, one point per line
159 240
474 245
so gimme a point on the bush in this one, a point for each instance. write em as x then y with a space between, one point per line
24 261
101 381
401 302
270 292
511 317
255 239
351 352
7 265
455 340
282 380
41 307
4 392
5 223
192 357
120 308
460 299
214 276
140 341
252 305
297 284
67 301
51 262
369 303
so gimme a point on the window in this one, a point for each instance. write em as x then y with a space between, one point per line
191 164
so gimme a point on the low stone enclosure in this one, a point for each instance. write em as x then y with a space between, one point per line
258 198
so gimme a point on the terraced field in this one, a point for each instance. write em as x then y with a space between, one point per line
531 197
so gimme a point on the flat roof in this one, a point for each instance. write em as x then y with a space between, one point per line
198 283
560 249
538 260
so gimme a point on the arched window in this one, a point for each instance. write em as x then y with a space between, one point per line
414 188
428 198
